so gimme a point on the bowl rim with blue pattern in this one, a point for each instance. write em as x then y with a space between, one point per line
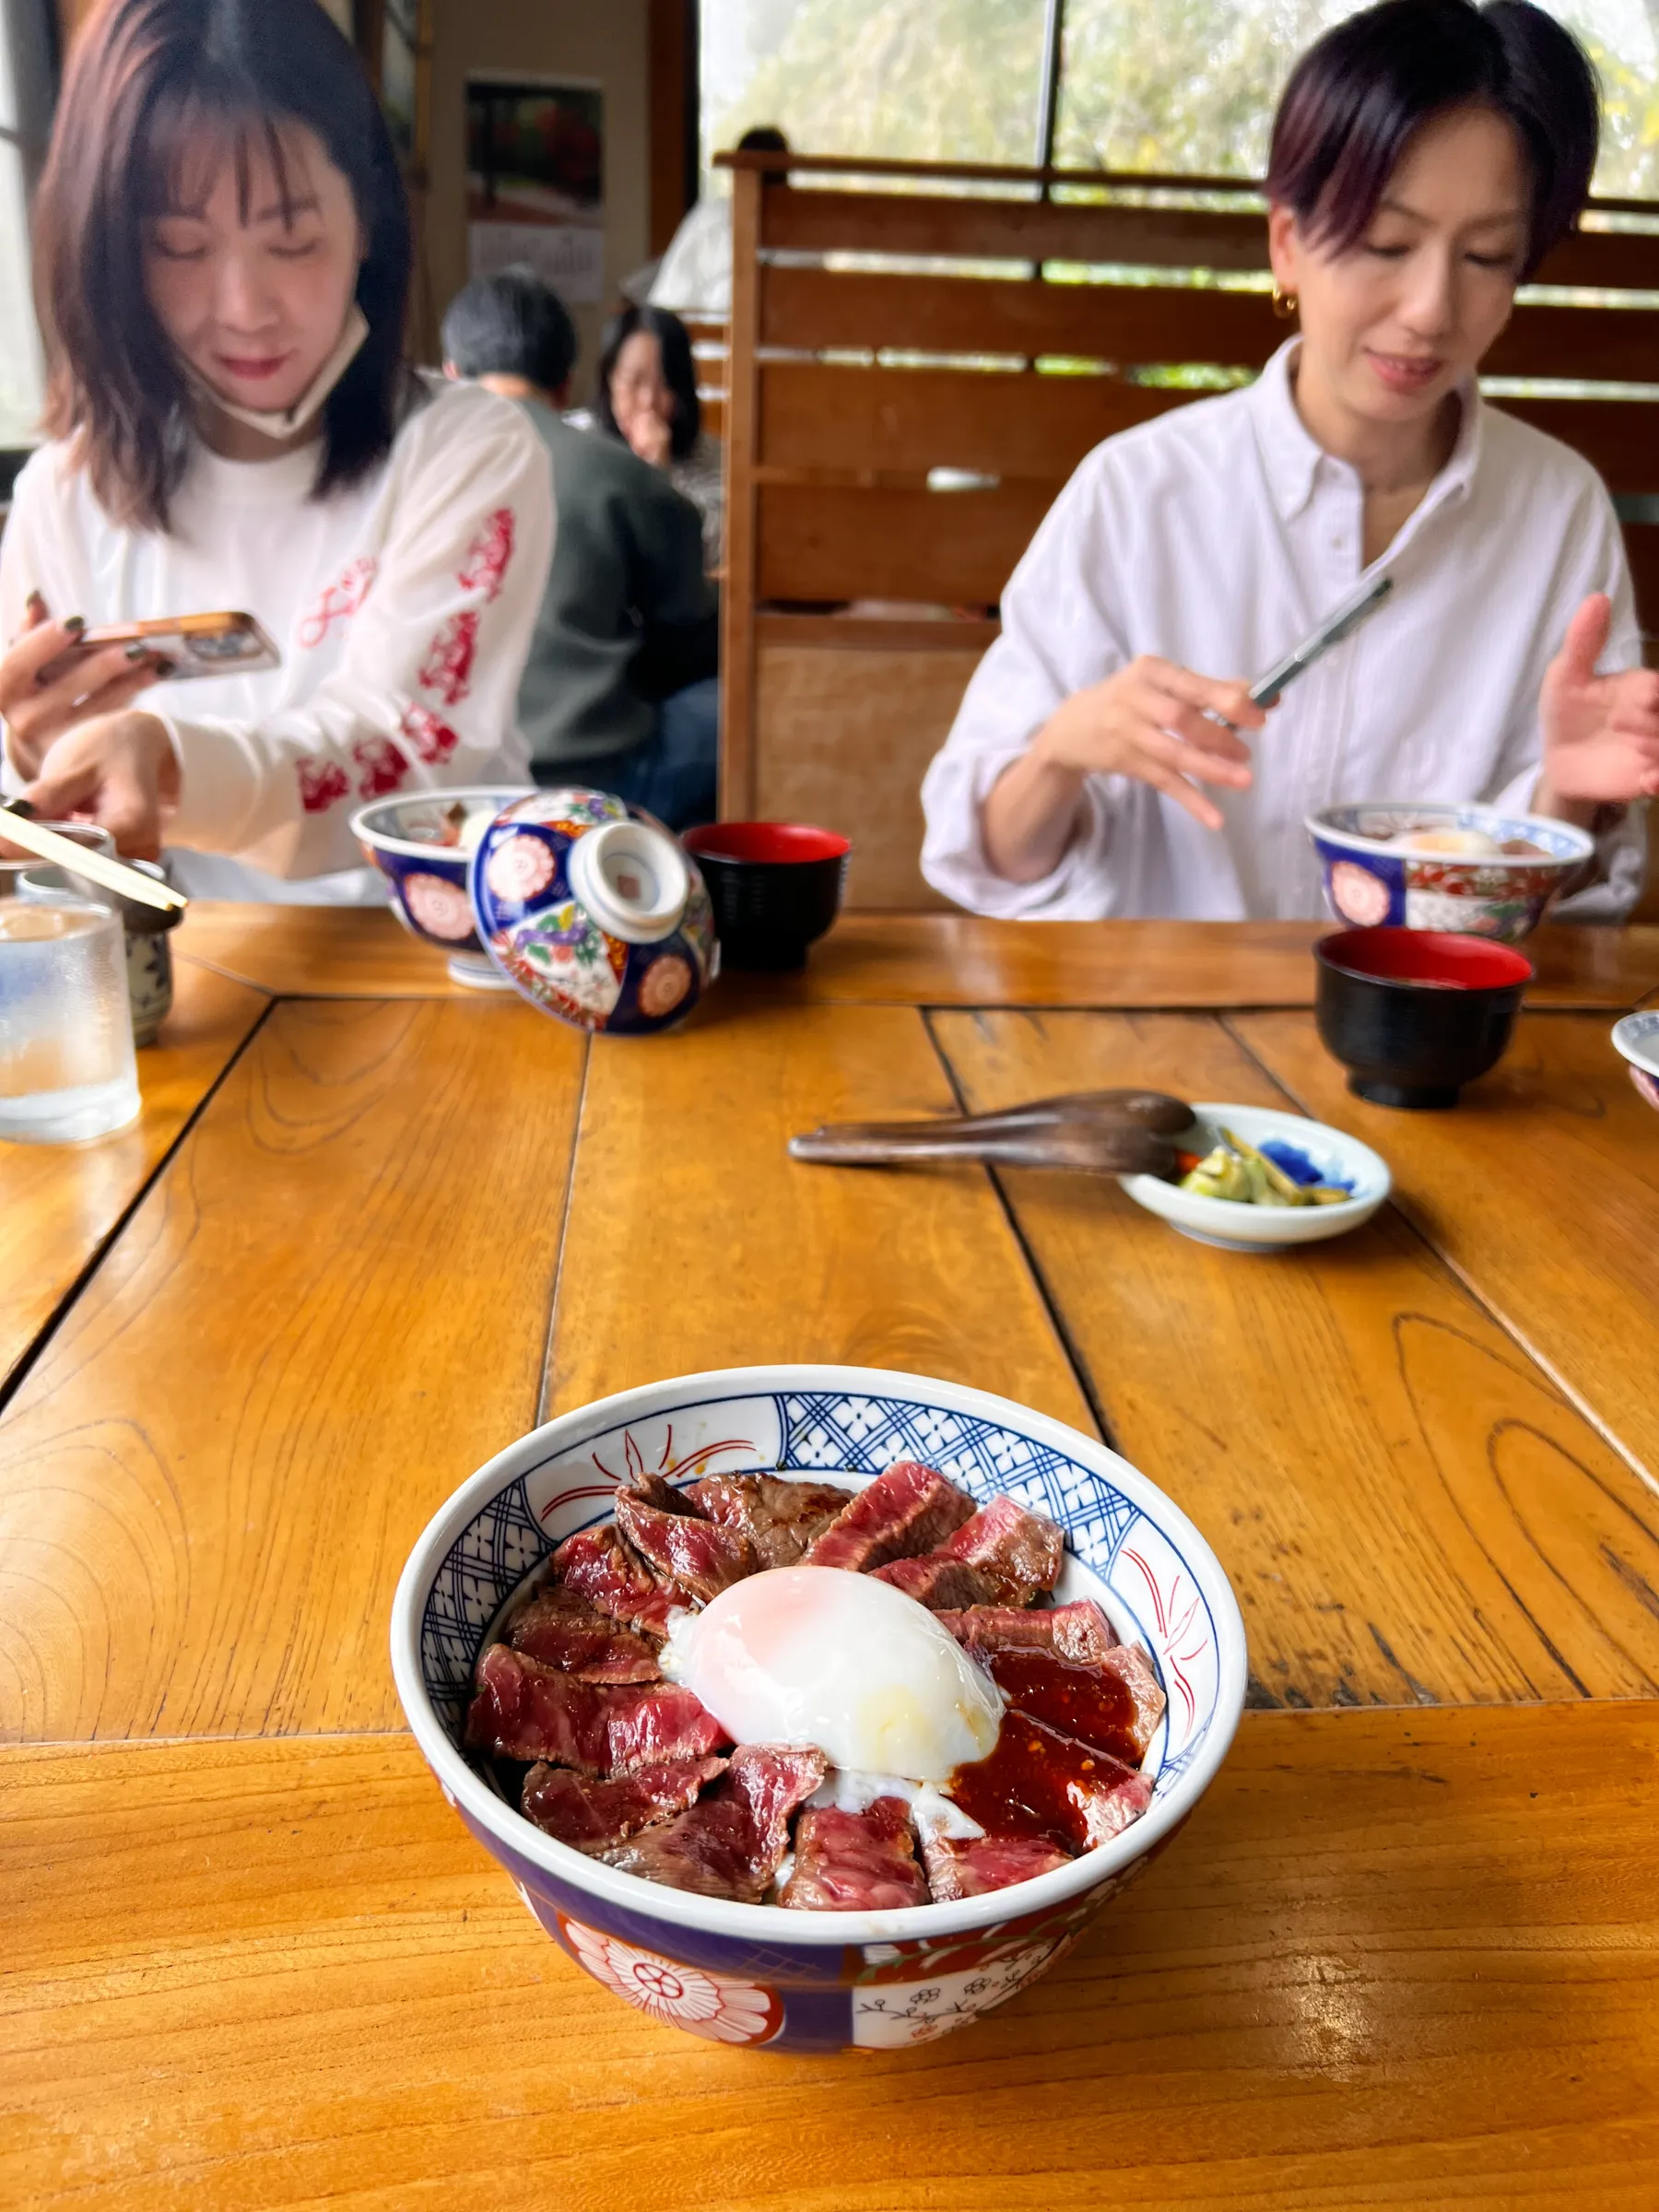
1569 845
365 828
484 1541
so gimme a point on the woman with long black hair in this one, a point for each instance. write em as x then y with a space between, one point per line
1426 156
223 263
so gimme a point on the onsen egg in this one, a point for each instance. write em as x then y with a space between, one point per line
819 1655
1450 844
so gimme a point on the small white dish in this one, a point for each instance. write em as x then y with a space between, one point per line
1237 1228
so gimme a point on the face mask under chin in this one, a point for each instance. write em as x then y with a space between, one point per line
284 422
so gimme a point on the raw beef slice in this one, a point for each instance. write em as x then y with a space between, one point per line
525 1711
855 1862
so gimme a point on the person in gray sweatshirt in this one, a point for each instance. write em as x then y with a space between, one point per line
619 690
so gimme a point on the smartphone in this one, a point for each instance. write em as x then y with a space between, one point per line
221 644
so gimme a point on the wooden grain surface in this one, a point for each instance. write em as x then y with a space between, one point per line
325 1315
951 959
318 951
1542 1190
1406 1507
695 1240
58 1202
1395 1959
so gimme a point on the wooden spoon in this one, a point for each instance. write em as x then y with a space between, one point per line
1150 1109
1102 1147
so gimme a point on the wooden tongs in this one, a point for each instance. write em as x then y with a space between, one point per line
1099 1131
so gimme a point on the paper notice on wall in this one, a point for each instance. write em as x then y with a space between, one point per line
536 182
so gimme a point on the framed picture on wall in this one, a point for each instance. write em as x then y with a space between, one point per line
535 181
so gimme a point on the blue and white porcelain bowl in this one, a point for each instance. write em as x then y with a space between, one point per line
412 841
594 911
759 1974
1369 880
1637 1038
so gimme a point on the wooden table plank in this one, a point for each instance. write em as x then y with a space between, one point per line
1407 1508
1542 1190
330 1308
58 1202
697 1243
921 959
317 951
1400 1959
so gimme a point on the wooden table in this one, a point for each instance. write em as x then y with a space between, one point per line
371 1227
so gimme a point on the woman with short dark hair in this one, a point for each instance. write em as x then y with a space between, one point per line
223 263
646 395
1426 156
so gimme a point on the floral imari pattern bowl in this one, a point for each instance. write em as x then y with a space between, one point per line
1637 1038
1368 881
412 841
758 1974
592 911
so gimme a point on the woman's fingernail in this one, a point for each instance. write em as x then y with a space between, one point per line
35 604
75 624
137 652
164 667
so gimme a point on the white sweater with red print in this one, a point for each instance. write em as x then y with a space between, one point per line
403 607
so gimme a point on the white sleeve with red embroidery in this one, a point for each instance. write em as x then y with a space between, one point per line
427 690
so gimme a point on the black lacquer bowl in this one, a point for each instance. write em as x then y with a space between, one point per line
1415 1014
776 888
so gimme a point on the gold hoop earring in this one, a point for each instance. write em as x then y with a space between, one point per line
1285 305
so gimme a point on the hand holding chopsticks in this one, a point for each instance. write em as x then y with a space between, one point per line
18 827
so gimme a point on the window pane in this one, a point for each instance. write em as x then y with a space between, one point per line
1190 86
945 80
20 371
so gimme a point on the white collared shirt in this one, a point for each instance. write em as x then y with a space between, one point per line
1218 536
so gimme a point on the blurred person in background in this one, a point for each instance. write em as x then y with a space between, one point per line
618 690
1426 156
694 277
223 260
645 396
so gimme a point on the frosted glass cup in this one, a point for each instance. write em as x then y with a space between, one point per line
66 1067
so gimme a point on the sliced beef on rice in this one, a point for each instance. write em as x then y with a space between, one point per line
561 1628
731 1841
597 1562
779 1518
970 1866
656 1489
693 1554
1112 1704
525 1711
855 1862
907 1512
597 1815
939 1582
1080 1632
1018 1550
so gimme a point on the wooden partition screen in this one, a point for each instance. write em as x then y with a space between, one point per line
920 355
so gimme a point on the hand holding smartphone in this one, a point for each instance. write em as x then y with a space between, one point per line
215 645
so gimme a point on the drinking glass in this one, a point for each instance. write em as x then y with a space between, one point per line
66 1066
